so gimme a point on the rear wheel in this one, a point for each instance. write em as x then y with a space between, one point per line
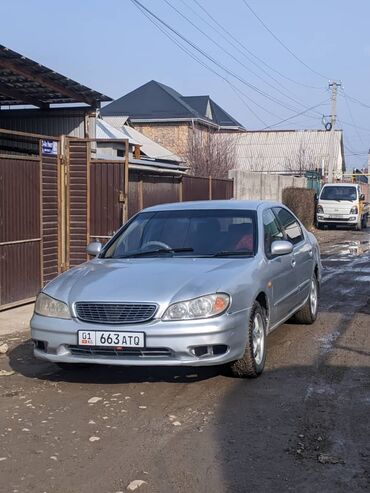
308 313
253 361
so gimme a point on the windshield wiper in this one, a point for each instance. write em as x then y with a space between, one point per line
230 253
143 253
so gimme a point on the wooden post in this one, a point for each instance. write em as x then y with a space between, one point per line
41 218
137 153
141 192
126 178
180 190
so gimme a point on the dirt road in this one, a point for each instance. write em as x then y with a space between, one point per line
303 426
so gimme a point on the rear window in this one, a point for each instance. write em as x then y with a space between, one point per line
339 193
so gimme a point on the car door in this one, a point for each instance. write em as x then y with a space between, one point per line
302 251
280 271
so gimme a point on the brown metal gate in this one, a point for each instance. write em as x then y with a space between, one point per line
29 197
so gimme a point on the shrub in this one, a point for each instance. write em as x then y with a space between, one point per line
302 202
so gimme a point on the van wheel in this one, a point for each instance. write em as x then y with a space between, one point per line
253 361
308 313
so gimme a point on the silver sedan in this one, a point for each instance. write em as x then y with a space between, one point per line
194 283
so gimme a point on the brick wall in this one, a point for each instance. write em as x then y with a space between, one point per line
172 136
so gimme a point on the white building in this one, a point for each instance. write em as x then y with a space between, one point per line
291 151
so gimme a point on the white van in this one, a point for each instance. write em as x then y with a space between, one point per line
342 204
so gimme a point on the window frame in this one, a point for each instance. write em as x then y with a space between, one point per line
270 209
286 237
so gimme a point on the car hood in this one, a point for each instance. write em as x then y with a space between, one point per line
160 280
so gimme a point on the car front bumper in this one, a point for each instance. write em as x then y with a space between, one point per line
167 343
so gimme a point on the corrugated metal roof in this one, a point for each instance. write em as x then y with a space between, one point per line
106 131
290 150
24 81
148 146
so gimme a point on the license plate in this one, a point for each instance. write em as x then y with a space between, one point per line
111 338
335 216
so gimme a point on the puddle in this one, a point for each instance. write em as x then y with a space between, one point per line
351 248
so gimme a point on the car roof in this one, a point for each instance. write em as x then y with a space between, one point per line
213 204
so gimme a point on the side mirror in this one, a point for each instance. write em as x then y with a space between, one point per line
281 247
362 196
94 248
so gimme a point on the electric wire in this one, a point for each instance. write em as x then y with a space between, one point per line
244 47
302 62
215 62
210 38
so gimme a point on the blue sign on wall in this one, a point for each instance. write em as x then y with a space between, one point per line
49 147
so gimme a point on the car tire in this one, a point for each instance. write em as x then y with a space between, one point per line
252 362
308 313
73 366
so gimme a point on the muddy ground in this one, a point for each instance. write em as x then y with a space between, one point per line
303 426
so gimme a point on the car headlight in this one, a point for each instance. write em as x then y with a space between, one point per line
320 209
49 307
354 210
202 307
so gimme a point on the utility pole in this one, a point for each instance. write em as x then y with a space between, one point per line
333 119
334 91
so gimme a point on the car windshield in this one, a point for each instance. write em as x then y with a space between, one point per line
186 233
339 193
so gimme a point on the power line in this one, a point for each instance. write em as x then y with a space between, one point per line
295 116
282 43
351 116
208 57
236 40
231 55
206 66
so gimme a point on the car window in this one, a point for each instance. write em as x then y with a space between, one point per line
272 230
291 226
198 232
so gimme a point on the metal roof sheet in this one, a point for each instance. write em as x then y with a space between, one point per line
148 146
289 150
24 81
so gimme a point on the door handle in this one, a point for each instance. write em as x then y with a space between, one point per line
293 262
310 252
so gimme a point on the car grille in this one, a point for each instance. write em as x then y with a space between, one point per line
111 352
115 313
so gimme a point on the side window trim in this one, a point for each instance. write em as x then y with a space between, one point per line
283 228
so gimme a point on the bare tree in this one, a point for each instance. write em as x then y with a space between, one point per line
304 160
211 154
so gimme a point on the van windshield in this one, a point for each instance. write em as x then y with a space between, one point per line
339 193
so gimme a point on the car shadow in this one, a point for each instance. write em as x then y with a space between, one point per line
22 361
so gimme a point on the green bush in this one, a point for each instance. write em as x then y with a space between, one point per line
302 202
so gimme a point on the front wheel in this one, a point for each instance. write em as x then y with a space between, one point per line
308 313
251 364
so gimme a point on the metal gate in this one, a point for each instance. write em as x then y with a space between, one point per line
29 211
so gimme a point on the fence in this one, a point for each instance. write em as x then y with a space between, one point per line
263 186
52 205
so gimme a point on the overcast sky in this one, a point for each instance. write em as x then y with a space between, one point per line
112 47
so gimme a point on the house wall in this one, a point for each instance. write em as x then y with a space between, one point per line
75 122
174 137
